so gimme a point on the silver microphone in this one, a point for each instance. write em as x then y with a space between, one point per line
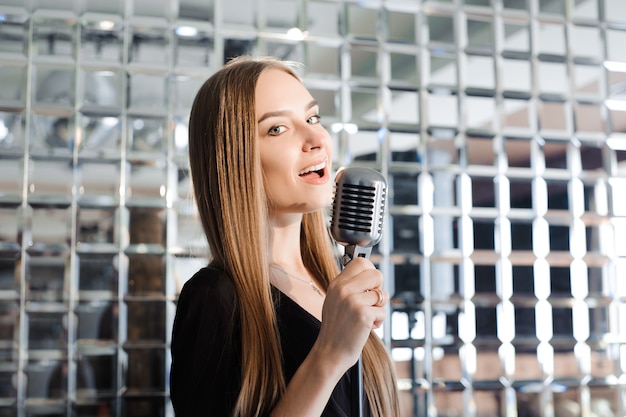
356 223
357 210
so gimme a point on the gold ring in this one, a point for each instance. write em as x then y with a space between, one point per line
381 297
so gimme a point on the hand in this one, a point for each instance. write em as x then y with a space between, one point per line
354 306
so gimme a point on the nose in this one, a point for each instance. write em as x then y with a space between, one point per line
317 137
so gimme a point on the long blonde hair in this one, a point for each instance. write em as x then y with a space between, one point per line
229 193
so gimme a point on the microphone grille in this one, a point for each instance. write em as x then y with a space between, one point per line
358 207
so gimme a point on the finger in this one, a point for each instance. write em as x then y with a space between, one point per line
381 298
368 281
364 275
360 281
357 266
376 297
379 317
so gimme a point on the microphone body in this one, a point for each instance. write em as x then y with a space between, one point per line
356 223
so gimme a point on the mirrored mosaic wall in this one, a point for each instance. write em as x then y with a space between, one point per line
499 124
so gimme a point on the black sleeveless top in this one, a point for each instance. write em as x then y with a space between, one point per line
205 376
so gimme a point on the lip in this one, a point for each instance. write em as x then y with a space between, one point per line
325 173
312 167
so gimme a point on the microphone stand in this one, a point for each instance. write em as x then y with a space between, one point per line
356 376
356 372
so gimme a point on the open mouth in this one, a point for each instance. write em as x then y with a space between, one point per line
314 171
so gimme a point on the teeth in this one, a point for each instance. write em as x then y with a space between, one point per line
313 168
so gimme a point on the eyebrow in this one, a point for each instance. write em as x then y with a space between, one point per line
267 115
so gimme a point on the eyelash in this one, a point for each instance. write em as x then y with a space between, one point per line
317 117
272 130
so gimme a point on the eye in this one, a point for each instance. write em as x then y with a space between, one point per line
314 119
276 130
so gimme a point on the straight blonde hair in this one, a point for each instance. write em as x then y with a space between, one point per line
229 192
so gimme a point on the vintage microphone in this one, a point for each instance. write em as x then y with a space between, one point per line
356 223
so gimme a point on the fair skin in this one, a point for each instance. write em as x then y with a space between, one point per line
296 155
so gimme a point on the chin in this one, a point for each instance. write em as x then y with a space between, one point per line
319 204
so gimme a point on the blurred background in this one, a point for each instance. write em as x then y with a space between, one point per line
499 124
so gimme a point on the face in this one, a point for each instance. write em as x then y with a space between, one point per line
296 150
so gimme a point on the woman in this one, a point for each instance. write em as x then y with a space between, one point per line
270 327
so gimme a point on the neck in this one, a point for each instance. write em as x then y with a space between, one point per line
285 244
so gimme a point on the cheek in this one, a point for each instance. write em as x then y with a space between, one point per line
278 158
270 164
274 176
271 183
